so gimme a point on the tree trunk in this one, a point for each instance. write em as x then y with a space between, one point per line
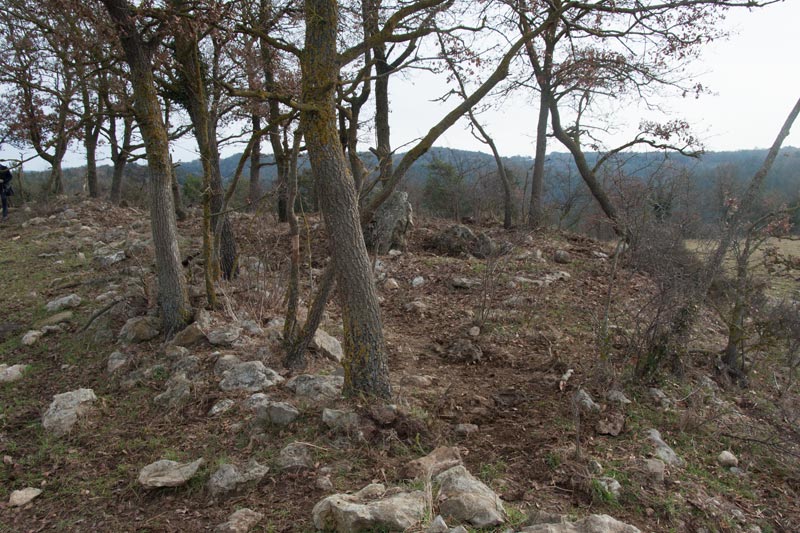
254 188
365 362
173 299
535 208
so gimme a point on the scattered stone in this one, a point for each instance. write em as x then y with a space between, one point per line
252 328
189 336
65 409
465 283
474 331
660 398
116 361
327 346
466 351
599 255
617 397
58 318
418 381
611 424
221 407
595 467
727 459
274 329
257 401
371 508
12 373
66 302
178 390
31 337
459 240
465 430
324 483
585 401
278 413
104 261
438 525
224 336
389 226
240 521
166 473
417 307
590 524
343 422
19 498
610 485
655 468
295 456
464 498
562 257
229 478
140 329
383 414
317 389
250 376
188 366
459 529
418 281
441 459
391 284
225 363
663 451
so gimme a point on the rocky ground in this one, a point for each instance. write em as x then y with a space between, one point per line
506 418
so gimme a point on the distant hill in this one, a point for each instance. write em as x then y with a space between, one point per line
734 165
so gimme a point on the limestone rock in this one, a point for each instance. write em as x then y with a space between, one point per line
562 257
464 430
11 373
58 318
109 259
344 422
617 397
65 409
369 509
116 361
464 498
278 413
660 398
295 456
464 350
465 283
178 390
663 451
391 284
441 459
610 485
221 407
391 222
224 363
229 478
655 469
317 389
418 281
458 239
240 521
585 401
251 327
590 524
224 336
727 459
65 302
140 329
31 337
251 376
19 498
189 336
611 424
438 525
166 473
327 345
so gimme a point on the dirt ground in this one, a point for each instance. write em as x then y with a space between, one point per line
531 446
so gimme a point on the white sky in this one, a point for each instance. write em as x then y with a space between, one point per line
754 76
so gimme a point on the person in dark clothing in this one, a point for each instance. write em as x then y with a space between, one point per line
5 188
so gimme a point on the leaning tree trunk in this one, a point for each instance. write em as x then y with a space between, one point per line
365 362
173 299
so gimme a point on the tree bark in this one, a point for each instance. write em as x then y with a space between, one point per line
173 299
254 187
365 362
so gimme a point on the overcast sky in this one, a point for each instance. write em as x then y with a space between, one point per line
754 77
